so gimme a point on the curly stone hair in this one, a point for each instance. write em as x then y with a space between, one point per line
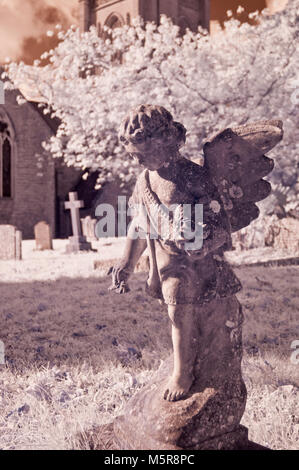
150 121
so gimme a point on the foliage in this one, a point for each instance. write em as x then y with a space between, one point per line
241 74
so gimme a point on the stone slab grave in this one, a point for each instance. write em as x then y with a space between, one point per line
10 243
43 236
88 228
78 241
283 234
280 234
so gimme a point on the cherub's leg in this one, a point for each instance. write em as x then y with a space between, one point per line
184 340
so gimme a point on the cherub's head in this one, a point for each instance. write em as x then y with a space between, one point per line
150 134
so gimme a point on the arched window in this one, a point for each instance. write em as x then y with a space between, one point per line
5 161
114 21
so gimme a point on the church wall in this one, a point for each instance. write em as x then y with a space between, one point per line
121 7
187 13
149 10
169 8
194 12
33 195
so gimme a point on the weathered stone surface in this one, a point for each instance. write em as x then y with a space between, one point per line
264 135
209 416
88 228
7 242
10 243
18 244
78 241
105 264
235 158
282 234
195 401
43 236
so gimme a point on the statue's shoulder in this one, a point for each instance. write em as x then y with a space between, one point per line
138 188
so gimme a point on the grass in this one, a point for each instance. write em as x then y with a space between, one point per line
75 354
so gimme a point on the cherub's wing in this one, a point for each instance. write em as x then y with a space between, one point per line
236 162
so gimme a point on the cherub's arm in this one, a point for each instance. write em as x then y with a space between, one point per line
134 248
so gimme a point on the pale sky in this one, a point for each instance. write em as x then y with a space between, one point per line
24 24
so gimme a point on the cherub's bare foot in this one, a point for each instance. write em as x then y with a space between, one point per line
177 387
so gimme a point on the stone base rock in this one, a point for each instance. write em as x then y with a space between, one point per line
235 440
209 416
78 244
103 438
206 419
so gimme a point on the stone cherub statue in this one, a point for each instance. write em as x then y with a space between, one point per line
194 281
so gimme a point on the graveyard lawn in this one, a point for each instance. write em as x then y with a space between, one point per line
76 353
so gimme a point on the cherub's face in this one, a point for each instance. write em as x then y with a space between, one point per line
153 154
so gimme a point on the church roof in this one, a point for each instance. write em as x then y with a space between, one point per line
52 122
35 102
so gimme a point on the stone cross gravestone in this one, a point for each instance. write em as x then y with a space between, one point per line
78 241
43 236
10 243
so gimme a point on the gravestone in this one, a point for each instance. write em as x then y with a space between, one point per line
78 241
282 234
10 243
18 244
88 228
43 236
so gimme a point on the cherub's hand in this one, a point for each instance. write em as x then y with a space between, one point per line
120 274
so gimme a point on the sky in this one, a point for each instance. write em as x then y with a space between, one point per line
24 24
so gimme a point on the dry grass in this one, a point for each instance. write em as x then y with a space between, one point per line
75 354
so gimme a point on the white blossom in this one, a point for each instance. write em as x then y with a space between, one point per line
244 73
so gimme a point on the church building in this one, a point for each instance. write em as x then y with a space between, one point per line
185 13
210 14
33 185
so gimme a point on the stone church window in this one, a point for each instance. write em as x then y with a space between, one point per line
5 161
114 21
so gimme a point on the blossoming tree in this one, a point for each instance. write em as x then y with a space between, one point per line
241 74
